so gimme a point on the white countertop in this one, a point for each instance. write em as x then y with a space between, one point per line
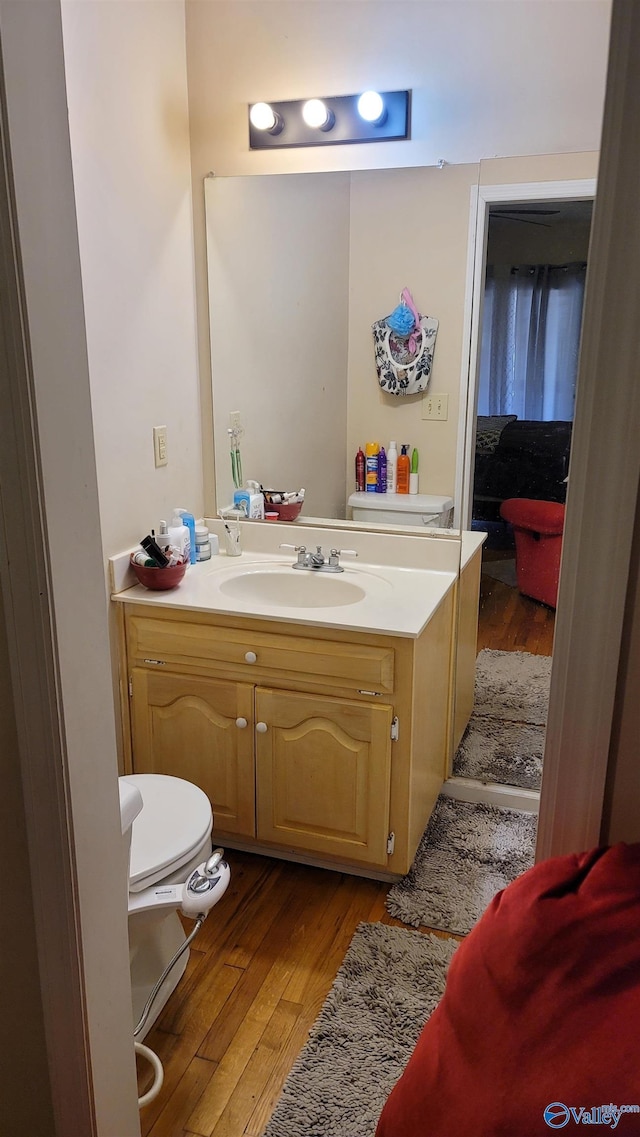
398 601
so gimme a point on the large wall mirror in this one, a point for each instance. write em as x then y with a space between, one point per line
300 266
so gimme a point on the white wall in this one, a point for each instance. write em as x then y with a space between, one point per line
128 117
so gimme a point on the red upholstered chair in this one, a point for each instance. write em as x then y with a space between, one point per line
540 1012
537 527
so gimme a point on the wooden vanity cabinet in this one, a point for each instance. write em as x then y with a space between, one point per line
200 729
319 743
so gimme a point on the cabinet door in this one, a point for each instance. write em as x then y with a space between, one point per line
323 774
187 726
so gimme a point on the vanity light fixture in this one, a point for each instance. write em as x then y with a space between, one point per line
371 116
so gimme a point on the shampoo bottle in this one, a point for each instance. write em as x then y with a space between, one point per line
403 471
179 536
392 468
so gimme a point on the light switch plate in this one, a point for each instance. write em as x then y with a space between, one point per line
160 445
435 406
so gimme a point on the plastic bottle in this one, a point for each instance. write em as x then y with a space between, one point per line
179 536
413 476
162 536
403 471
392 468
360 470
371 466
189 520
382 472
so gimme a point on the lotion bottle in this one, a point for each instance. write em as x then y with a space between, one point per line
392 468
403 471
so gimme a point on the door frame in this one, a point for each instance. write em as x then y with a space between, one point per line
482 198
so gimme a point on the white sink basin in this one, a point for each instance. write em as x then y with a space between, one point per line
288 588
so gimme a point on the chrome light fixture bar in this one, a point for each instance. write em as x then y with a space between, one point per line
371 116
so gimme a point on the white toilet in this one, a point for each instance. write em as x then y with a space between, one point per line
432 510
166 826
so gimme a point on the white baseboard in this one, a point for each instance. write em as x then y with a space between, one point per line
508 797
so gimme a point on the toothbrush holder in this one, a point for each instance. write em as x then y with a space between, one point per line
231 535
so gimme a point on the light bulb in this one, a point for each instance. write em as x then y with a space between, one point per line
371 107
316 114
262 116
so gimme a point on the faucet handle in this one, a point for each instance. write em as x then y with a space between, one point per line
343 553
296 548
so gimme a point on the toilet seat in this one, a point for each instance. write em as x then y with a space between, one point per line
175 820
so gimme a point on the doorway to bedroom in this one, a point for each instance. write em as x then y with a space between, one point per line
529 291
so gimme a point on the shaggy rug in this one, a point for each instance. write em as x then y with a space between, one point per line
497 750
467 854
512 685
388 985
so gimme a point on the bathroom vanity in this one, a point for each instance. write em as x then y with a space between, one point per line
321 734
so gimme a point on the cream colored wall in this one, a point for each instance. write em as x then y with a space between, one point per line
128 117
279 298
408 227
487 78
468 66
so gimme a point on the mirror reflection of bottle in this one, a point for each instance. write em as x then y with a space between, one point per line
381 486
371 466
360 470
403 471
392 468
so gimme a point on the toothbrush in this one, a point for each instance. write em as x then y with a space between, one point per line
236 461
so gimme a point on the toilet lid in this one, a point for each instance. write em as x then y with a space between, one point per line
175 819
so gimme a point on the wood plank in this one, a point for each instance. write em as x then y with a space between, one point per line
247 1110
190 1088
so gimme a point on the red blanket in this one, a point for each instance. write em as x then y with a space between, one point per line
541 1009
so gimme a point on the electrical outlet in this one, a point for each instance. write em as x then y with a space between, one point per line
235 421
435 406
160 445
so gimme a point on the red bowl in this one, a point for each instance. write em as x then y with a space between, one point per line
288 511
160 579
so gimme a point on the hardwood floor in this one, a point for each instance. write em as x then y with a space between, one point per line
511 622
268 954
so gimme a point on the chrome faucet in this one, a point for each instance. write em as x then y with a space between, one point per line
317 561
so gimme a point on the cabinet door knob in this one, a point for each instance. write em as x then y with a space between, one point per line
241 723
250 656
261 727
